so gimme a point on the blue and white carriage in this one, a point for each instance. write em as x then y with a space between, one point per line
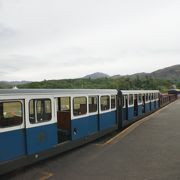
137 103
36 121
36 124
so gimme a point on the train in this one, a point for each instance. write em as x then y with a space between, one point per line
36 124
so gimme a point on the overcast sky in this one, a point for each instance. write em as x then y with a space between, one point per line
55 39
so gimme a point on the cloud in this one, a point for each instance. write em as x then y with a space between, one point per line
59 39
5 32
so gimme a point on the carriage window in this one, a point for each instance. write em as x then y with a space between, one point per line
40 110
153 96
92 104
150 96
64 104
11 114
105 103
79 106
147 97
130 99
113 101
156 96
140 98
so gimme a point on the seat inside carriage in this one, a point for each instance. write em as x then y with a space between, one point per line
9 116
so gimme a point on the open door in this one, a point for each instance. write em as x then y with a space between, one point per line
135 105
143 104
150 99
63 119
126 106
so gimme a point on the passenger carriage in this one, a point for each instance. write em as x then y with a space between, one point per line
137 103
35 124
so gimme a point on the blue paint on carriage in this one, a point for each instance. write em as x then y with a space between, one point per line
41 138
147 107
130 113
125 121
157 104
150 106
12 145
153 106
139 110
107 120
124 114
84 126
92 124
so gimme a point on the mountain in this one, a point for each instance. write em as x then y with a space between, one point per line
96 75
133 76
162 79
170 73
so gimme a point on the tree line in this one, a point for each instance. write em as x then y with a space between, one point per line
123 83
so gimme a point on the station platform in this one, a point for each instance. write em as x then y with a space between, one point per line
147 150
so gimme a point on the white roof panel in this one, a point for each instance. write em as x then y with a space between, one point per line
139 91
6 92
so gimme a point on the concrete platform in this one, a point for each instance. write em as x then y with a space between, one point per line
148 150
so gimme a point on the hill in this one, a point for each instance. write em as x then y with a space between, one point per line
161 79
170 73
11 84
96 75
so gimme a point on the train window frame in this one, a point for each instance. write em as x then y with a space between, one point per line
35 111
64 104
123 101
156 96
89 109
153 96
146 97
149 97
107 106
79 113
21 113
140 99
126 97
114 103
131 99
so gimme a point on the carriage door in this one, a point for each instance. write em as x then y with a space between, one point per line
12 132
41 127
150 100
93 121
63 119
135 105
143 104
126 106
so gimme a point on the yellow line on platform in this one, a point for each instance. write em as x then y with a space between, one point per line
46 175
128 130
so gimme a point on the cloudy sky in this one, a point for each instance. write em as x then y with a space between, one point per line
55 39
